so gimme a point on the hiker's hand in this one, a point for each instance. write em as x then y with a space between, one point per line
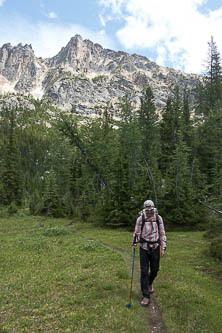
134 246
162 253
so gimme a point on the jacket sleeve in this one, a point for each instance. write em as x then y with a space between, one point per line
162 233
137 232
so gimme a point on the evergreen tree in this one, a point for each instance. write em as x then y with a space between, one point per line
181 205
150 141
121 201
186 122
210 91
213 77
210 151
12 177
170 125
52 201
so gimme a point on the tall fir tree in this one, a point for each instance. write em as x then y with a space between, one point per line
210 91
214 74
169 127
181 206
149 132
12 176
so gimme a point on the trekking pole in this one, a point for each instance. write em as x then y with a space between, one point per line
131 286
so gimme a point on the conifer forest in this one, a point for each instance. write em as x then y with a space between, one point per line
101 169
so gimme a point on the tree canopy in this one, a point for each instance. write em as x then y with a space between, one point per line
103 168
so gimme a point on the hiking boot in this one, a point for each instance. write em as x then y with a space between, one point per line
145 301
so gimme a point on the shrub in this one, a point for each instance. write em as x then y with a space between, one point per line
216 248
12 209
215 235
54 231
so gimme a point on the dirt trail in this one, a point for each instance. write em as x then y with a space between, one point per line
157 325
154 315
156 322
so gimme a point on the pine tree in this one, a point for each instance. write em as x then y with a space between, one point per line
150 141
12 177
209 129
52 201
181 205
210 92
210 151
170 125
186 122
121 202
214 74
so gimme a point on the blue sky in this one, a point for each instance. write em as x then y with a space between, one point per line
173 33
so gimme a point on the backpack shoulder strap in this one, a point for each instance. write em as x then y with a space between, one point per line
142 225
158 225
158 221
143 222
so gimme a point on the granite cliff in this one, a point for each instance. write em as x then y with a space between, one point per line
84 77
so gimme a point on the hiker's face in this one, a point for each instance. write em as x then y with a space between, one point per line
149 210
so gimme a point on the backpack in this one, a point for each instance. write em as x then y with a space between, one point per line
142 240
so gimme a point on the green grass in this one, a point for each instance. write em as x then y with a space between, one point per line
54 279
58 276
190 285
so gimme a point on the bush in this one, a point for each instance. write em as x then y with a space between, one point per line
215 235
215 228
12 209
36 203
216 248
4 212
54 231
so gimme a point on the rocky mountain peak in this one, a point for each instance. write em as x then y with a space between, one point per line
75 40
6 46
78 54
84 76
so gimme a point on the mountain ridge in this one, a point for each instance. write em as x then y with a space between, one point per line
83 76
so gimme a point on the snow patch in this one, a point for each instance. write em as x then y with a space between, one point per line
37 93
6 86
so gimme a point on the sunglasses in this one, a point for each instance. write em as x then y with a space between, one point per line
149 208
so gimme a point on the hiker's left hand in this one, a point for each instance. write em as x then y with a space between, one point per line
162 253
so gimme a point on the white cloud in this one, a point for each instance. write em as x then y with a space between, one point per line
161 51
178 31
47 38
1 2
102 20
114 5
52 15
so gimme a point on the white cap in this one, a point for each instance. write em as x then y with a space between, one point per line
148 203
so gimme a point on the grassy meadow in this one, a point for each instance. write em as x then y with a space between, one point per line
59 275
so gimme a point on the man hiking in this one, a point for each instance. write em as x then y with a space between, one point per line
150 232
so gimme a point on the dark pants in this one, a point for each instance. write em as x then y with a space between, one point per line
149 265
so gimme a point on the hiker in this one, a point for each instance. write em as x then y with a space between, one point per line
151 238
